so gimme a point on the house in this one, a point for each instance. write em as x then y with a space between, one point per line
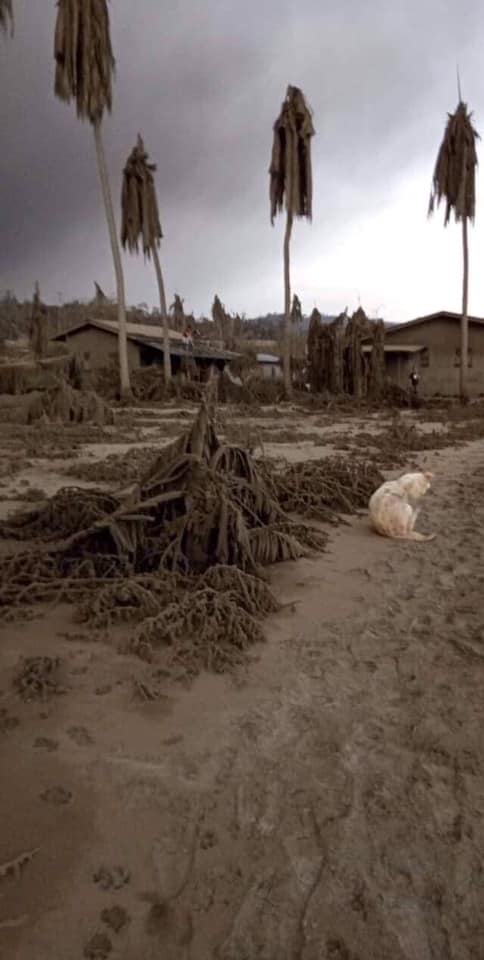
269 366
96 343
431 345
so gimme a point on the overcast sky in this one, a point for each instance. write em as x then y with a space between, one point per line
203 83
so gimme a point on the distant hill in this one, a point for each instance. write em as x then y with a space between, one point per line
272 321
15 317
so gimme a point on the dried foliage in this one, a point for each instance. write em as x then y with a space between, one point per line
67 405
219 315
322 489
134 599
69 510
252 391
376 373
60 403
116 468
38 678
336 363
177 311
316 371
38 328
290 169
202 505
179 556
84 57
6 16
226 324
401 438
205 630
148 384
250 593
139 205
296 312
454 178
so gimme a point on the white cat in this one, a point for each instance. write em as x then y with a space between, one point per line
393 510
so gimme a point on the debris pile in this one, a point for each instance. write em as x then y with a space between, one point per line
324 489
180 554
59 403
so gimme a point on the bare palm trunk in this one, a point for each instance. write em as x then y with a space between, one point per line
164 316
464 330
125 387
287 307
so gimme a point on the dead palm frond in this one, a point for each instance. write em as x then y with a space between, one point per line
6 16
84 57
178 311
296 311
221 319
38 333
140 219
140 222
290 170
454 181
84 72
291 187
454 178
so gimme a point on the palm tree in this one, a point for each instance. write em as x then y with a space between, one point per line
141 222
454 180
218 316
178 311
84 71
6 15
38 334
291 186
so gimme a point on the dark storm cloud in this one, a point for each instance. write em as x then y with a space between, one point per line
203 83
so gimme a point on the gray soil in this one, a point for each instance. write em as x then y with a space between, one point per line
327 806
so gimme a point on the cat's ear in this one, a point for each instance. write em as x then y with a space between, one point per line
429 475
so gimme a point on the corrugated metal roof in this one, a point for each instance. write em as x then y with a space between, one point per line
200 352
431 318
146 331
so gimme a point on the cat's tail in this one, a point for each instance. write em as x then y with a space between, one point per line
420 537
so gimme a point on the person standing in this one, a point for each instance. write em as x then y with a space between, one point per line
414 381
188 337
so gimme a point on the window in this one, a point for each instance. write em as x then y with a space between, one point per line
457 357
424 358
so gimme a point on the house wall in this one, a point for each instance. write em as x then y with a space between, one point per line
98 348
442 339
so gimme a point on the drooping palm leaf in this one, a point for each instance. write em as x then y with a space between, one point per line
6 15
290 170
141 222
291 186
296 312
178 311
454 178
84 56
454 181
139 205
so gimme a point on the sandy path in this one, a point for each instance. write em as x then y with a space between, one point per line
330 807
